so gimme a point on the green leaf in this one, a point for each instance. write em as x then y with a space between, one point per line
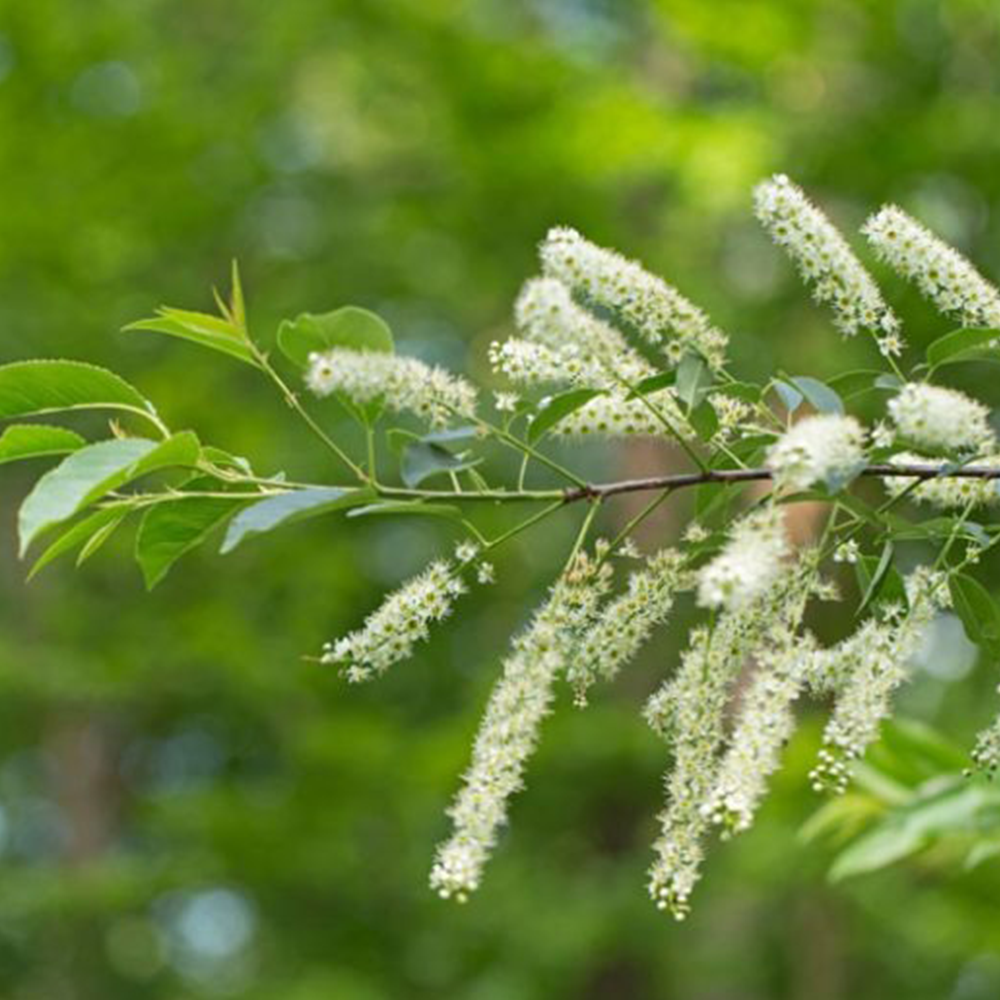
415 507
854 383
820 395
960 345
77 535
423 459
93 471
694 379
351 327
99 537
213 332
36 440
704 420
877 578
557 408
978 611
170 529
888 842
28 387
272 512
789 395
652 383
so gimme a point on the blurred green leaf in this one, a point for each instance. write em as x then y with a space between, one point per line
960 345
37 440
978 611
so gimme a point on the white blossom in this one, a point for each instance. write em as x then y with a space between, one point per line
406 385
647 303
824 259
402 620
749 564
626 622
934 417
945 491
825 447
939 271
986 753
613 415
847 552
509 730
505 402
865 670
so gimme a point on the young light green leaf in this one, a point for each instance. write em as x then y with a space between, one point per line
960 345
37 440
77 535
200 328
423 459
29 387
652 383
877 578
270 513
91 472
788 394
170 529
694 379
820 395
557 408
351 327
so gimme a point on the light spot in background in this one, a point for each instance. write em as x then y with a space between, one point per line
286 225
107 90
952 208
182 762
290 145
946 652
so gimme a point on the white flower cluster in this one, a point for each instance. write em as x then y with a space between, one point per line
765 724
750 562
986 753
825 447
939 271
934 417
689 711
865 670
658 312
953 491
626 622
403 619
548 317
406 385
613 415
825 259
509 731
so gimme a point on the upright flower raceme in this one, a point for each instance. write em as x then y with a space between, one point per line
509 730
934 417
865 670
826 261
749 564
658 312
826 447
405 385
939 271
404 618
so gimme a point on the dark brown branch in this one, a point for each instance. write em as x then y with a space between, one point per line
599 491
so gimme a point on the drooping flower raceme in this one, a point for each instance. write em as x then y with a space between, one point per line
934 417
390 633
865 670
689 711
826 447
939 271
613 415
509 731
749 564
954 491
406 385
658 312
826 261
626 622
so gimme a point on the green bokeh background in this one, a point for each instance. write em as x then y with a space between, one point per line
189 808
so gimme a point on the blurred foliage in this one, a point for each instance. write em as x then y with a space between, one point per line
191 809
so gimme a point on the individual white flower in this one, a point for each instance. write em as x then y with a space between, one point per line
825 447
935 417
945 491
865 670
847 552
695 533
647 303
508 733
824 258
466 551
402 620
626 622
485 573
883 435
765 724
505 402
406 385
750 562
939 271
629 550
